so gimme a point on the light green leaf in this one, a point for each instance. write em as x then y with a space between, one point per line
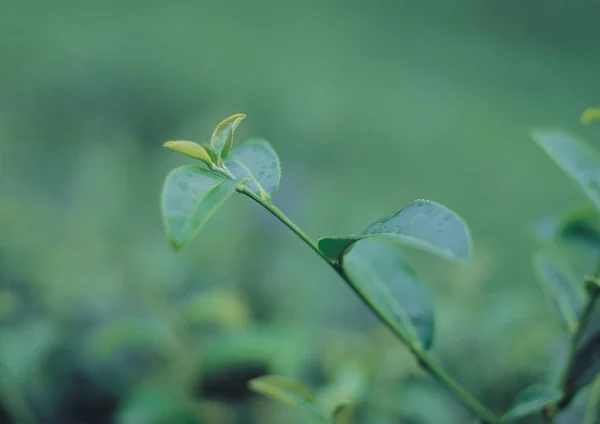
256 160
191 149
190 195
532 400
222 138
289 392
343 389
562 286
590 115
575 156
152 404
423 224
342 413
391 287
226 308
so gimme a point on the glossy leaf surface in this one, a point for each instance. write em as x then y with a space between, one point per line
575 156
190 195
390 286
423 224
257 161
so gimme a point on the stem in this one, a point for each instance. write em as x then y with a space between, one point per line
288 223
593 406
431 366
585 317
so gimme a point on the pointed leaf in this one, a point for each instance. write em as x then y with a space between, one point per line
191 149
222 138
562 286
423 224
585 367
256 160
390 286
289 392
342 413
575 156
590 115
532 400
190 195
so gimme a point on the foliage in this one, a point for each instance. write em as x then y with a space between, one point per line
370 106
370 263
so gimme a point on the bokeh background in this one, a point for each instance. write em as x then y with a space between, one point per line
370 105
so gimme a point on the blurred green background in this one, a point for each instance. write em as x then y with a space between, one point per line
369 104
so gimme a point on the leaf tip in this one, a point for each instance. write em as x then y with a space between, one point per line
590 115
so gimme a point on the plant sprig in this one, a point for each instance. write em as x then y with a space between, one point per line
369 261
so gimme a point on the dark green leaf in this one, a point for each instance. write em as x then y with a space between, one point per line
256 160
222 138
532 400
291 393
390 286
562 286
585 367
579 231
190 195
423 224
575 156
592 286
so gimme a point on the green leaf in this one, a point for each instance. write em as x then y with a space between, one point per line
222 138
585 367
532 400
121 335
190 195
390 286
581 230
256 160
345 387
575 156
342 413
191 149
577 235
153 404
226 308
592 286
562 286
289 392
423 224
590 115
